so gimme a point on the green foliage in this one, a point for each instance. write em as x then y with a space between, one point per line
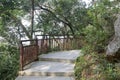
9 62
95 38
102 14
63 17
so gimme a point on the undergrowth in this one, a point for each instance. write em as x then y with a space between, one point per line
93 65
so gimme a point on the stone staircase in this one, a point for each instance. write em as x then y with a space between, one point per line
51 66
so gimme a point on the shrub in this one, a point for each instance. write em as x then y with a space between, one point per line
95 38
9 62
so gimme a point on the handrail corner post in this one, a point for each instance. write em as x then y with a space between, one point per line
37 47
21 56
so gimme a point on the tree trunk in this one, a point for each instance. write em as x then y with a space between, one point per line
32 18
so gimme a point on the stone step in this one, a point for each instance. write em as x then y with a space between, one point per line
46 68
43 78
61 56
57 60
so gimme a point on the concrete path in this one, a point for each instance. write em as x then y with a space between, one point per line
51 66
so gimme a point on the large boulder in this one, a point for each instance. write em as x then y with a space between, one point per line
114 45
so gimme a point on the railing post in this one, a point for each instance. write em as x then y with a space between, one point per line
37 49
49 43
21 55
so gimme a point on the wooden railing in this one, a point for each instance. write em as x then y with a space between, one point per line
44 44
28 52
57 42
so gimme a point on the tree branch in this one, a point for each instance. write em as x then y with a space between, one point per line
67 23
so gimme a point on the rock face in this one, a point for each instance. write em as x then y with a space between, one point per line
114 45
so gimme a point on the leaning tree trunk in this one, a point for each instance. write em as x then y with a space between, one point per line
114 45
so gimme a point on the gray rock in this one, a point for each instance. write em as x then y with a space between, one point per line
114 45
